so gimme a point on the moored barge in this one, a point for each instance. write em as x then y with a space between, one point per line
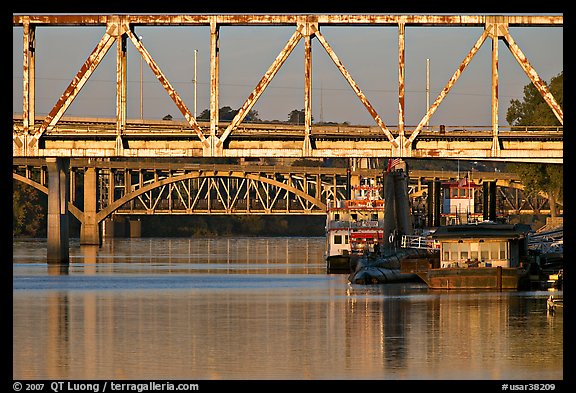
485 255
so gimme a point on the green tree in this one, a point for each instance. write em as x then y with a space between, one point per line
29 211
533 110
546 178
226 113
297 116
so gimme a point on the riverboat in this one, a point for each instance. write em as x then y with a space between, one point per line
484 255
354 227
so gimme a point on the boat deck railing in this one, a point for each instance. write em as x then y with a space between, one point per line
551 241
416 241
355 224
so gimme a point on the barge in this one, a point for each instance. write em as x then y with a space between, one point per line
484 255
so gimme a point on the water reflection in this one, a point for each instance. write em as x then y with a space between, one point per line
56 269
229 255
449 334
265 310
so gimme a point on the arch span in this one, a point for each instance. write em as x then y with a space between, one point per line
108 210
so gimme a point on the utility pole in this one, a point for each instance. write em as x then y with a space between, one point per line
195 82
141 90
428 89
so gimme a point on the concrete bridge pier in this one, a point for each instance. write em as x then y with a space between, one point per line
58 197
89 233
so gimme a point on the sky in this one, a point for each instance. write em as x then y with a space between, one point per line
370 54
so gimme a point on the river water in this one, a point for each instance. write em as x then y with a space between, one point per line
260 309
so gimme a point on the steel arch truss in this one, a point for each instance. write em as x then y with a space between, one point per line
218 192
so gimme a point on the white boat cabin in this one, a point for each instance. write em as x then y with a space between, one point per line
458 202
485 244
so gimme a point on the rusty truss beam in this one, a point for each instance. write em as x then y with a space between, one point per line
211 141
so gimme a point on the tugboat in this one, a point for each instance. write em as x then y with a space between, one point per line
354 227
379 262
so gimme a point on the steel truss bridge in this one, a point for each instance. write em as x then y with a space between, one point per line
138 187
58 136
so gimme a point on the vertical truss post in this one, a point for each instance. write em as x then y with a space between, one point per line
121 82
493 29
307 148
28 80
399 151
213 149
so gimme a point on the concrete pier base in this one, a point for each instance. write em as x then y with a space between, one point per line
58 197
89 233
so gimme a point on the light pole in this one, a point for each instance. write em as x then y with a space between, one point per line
428 89
195 53
141 90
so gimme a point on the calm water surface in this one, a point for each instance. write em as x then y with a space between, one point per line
253 308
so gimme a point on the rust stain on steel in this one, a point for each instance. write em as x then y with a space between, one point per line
307 86
28 78
532 74
61 20
121 84
355 87
167 86
76 85
254 19
494 79
287 19
448 86
170 20
214 77
401 29
259 89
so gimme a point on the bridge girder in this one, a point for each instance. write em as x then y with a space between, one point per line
32 140
211 191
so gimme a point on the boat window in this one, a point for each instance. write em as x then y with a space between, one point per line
354 216
337 216
494 250
449 251
374 216
346 239
337 239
